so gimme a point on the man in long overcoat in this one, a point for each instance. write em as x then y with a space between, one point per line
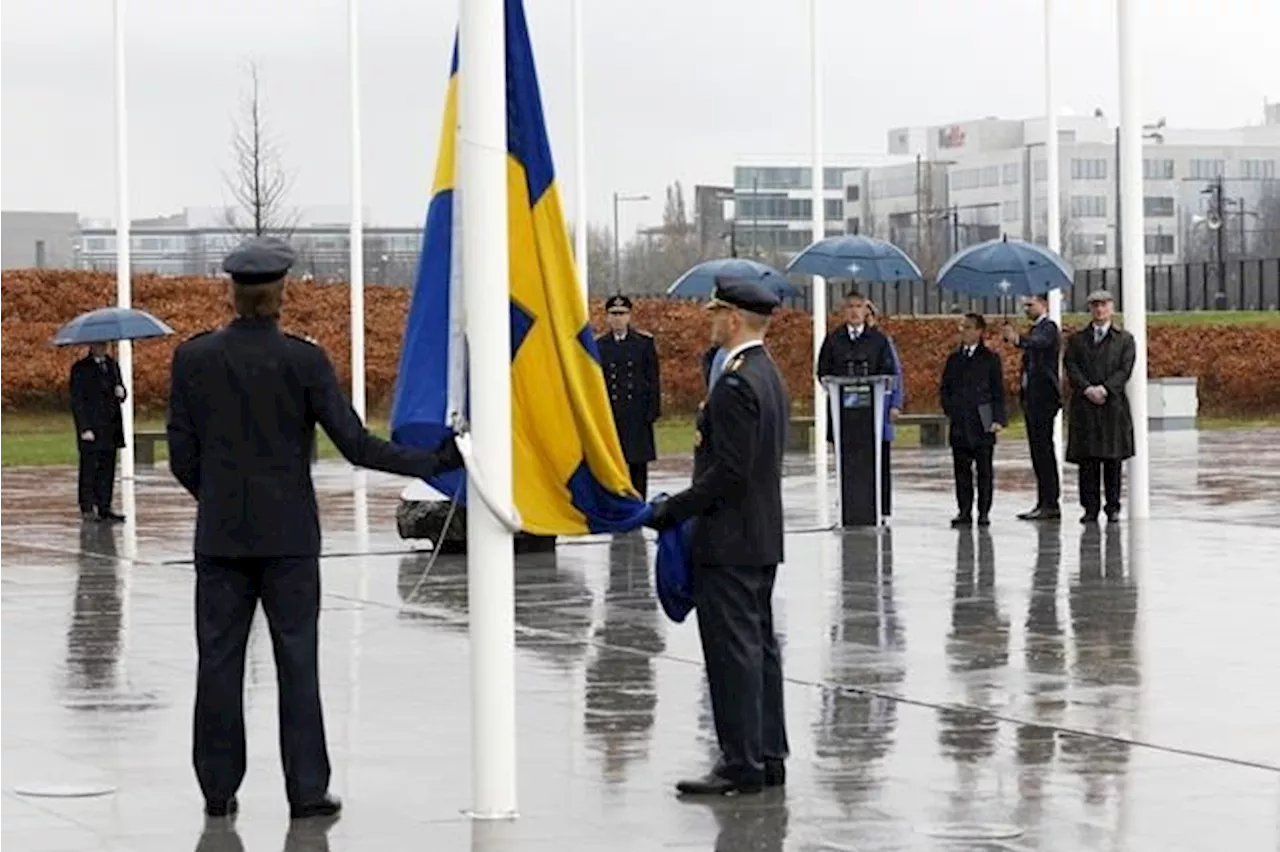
1098 361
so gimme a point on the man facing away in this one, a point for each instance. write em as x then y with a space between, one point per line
1098 362
735 501
972 396
1041 397
97 392
629 360
243 405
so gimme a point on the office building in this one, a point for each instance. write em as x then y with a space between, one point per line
773 207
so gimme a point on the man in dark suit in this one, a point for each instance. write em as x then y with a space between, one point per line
97 392
736 503
1041 397
630 362
243 405
972 395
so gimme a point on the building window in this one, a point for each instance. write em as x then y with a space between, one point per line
852 226
833 209
1258 169
1011 173
851 193
100 244
963 179
1207 169
990 175
1158 243
1011 211
1092 244
1157 205
1157 169
832 178
1088 206
1090 169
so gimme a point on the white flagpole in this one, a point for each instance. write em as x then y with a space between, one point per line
482 180
124 266
580 154
1133 264
357 213
819 284
1053 213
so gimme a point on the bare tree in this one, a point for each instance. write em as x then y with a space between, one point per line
258 183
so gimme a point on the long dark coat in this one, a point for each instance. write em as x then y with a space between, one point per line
631 375
1099 431
968 383
94 403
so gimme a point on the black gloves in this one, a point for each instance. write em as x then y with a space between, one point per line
662 518
447 456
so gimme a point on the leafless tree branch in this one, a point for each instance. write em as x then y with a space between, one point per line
258 182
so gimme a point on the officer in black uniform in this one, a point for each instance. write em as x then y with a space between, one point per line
243 406
630 362
736 503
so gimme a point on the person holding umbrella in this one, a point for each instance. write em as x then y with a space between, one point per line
97 392
1098 361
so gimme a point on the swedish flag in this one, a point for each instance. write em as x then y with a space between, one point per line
568 470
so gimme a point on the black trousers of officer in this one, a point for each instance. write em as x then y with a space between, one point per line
886 479
97 478
227 594
744 666
1104 473
964 460
639 477
1044 461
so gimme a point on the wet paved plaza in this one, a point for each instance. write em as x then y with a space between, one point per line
1080 688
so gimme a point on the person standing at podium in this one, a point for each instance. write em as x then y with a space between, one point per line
858 348
972 396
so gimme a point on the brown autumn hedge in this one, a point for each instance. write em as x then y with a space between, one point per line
1238 366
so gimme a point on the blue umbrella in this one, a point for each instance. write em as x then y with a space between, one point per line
1005 267
699 281
856 257
106 324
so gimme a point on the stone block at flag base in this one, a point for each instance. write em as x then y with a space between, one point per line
423 513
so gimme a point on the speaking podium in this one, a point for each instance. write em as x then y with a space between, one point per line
857 406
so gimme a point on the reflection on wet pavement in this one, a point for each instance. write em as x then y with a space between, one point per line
1080 688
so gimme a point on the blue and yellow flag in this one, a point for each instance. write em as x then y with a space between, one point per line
568 469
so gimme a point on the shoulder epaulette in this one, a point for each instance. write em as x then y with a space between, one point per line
305 338
200 334
643 333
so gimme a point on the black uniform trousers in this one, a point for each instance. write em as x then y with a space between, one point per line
639 472
964 460
1044 461
1100 473
97 478
744 666
227 593
886 479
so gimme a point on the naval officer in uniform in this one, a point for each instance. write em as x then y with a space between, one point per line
630 362
244 401
736 503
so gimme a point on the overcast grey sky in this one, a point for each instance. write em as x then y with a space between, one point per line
675 88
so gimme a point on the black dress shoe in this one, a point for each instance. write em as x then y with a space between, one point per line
328 806
89 517
775 773
1089 518
984 520
1042 514
221 809
718 785
962 521
113 517
1113 517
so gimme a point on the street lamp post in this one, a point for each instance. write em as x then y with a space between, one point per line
617 254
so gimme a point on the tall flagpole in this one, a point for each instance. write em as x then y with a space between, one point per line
356 252
1053 213
580 154
819 284
482 181
124 265
1133 263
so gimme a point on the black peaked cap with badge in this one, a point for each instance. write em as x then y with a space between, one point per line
261 260
745 295
617 301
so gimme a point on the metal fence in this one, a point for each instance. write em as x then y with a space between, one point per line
1251 284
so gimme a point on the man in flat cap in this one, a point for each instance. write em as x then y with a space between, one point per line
735 501
630 362
1098 362
244 401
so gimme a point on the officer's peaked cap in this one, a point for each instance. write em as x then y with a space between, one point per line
259 261
745 295
617 301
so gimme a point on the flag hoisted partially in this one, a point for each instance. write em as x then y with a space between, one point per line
569 475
